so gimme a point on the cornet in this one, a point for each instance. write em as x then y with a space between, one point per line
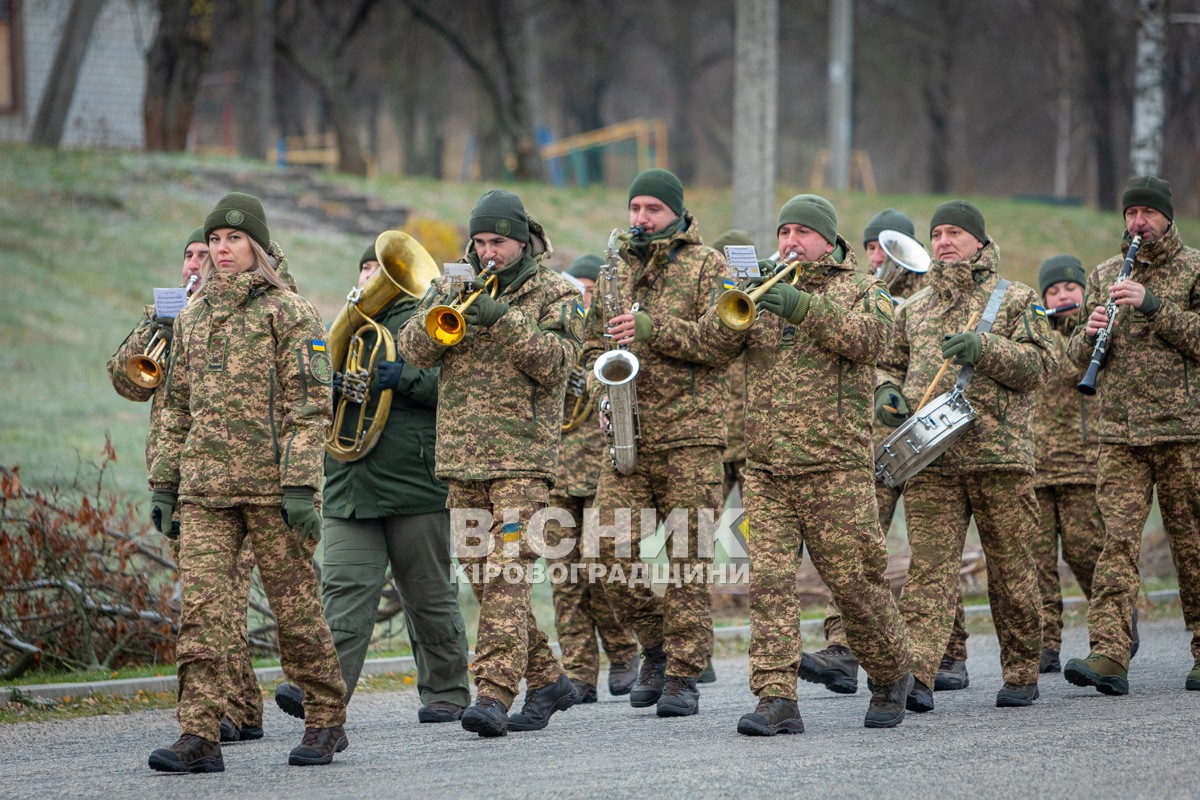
445 324
146 369
735 307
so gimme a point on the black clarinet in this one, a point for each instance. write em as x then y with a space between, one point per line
1088 384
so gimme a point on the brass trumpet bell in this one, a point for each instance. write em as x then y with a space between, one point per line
736 309
444 322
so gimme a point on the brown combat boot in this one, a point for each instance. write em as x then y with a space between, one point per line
318 746
190 754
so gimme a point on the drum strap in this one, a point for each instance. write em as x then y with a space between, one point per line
985 325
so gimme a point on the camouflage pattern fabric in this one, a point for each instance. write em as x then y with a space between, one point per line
735 417
1064 420
581 607
1150 383
834 515
938 509
134 345
247 397
1017 358
509 645
582 453
212 631
500 400
1068 515
907 283
682 397
1127 476
683 479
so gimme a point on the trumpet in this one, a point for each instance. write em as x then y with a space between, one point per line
735 307
146 369
444 322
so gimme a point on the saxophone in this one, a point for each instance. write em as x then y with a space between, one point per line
617 369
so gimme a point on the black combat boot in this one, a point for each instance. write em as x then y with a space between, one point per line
1137 640
951 675
920 698
835 668
290 700
709 675
680 697
1192 681
773 715
1049 661
248 733
649 685
886 709
622 675
190 754
540 705
1016 695
229 731
487 717
586 692
440 711
318 746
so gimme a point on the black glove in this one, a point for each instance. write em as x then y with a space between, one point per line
577 382
164 327
164 501
888 397
389 374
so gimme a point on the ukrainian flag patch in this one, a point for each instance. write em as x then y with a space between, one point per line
579 310
318 345
512 532
1041 312
729 284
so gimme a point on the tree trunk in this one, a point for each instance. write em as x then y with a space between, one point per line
52 112
256 100
1094 22
1145 149
174 66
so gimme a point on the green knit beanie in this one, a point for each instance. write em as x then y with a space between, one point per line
242 212
659 183
888 220
812 212
586 266
961 214
733 236
1149 191
368 255
500 212
197 237
1060 268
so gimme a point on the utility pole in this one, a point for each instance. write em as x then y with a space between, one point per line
755 117
841 73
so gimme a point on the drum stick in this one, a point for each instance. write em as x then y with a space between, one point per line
945 364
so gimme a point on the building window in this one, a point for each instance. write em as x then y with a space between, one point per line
8 56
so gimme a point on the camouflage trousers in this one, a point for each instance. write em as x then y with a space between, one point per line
509 645
665 485
939 508
581 607
835 632
208 633
1070 515
1127 475
834 514
244 703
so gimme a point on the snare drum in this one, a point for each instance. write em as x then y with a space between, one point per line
922 438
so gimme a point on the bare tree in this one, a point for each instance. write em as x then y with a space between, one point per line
174 66
52 112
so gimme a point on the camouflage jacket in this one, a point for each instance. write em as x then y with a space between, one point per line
500 400
810 387
247 399
735 420
1150 384
681 391
1017 358
1065 447
906 283
134 345
397 476
581 455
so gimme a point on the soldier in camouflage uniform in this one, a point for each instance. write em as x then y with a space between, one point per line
581 607
835 667
243 714
500 410
1149 427
672 279
988 472
810 369
241 447
387 508
1065 451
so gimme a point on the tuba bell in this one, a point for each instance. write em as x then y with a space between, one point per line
405 267
903 253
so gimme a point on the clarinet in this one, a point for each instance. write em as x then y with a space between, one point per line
1088 384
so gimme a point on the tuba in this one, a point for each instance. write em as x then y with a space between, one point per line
903 253
578 405
617 369
145 369
404 268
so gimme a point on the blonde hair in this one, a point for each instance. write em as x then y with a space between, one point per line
265 267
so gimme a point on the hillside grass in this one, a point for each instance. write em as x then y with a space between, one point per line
85 236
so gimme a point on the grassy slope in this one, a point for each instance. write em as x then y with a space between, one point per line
85 236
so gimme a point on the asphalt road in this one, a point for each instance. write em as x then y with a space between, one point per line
1072 743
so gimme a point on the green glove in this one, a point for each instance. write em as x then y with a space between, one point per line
485 311
164 501
964 348
1150 304
888 397
785 300
299 512
164 327
643 326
